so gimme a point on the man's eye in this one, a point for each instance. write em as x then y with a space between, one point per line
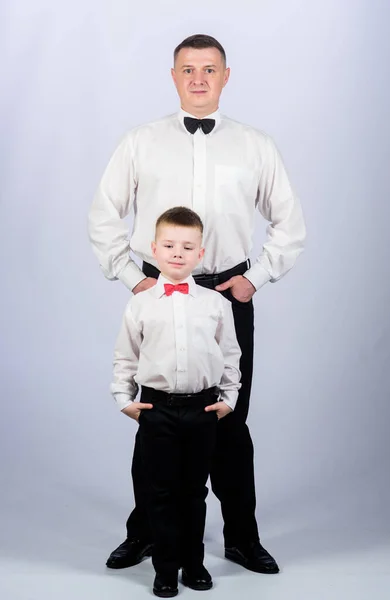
209 70
187 71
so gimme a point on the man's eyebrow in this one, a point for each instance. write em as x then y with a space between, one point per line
205 66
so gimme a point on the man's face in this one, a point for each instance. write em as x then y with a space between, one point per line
199 77
177 250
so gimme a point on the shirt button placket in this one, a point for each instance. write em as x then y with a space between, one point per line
199 190
181 341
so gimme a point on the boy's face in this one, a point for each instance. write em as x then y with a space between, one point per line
178 250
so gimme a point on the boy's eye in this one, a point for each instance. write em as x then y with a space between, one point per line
187 248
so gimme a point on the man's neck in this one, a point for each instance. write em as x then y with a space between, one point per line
200 114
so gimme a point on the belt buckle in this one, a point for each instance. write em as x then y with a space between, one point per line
173 399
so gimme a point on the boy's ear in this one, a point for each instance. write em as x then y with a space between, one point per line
153 248
201 253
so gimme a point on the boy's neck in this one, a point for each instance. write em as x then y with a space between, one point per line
174 281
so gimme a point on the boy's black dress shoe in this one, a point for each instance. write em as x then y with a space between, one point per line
197 579
253 557
165 586
129 553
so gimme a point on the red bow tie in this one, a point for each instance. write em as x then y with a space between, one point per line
180 287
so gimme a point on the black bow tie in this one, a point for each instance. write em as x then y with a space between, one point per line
192 125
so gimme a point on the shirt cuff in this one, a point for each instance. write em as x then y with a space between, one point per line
257 275
122 400
230 398
131 275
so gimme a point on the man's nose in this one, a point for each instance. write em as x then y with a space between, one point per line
199 77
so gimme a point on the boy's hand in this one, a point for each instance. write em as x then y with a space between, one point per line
134 410
221 408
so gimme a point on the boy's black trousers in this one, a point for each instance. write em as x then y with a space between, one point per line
177 440
232 468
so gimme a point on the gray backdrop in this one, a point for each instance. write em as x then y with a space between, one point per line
315 76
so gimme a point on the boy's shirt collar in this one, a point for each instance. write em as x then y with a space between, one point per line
159 289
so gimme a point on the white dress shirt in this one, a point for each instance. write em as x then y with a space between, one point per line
183 343
223 176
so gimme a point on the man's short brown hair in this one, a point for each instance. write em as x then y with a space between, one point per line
200 41
182 216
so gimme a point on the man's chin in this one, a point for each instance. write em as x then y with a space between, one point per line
200 100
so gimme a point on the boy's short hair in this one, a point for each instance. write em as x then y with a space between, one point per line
182 216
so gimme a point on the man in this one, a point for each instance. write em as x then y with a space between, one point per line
223 170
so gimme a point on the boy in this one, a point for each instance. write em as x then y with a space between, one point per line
177 342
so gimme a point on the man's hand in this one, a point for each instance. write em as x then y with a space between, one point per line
134 409
145 284
220 408
241 288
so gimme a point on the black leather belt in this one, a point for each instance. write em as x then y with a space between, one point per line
207 280
206 397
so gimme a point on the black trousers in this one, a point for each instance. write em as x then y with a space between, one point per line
177 445
232 469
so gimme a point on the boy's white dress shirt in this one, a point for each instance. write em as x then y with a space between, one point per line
183 343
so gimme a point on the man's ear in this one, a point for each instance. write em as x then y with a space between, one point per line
226 76
173 74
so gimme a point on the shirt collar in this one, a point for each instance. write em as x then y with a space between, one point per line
159 290
215 115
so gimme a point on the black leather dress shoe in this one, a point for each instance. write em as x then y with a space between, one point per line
165 586
129 553
253 557
197 579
